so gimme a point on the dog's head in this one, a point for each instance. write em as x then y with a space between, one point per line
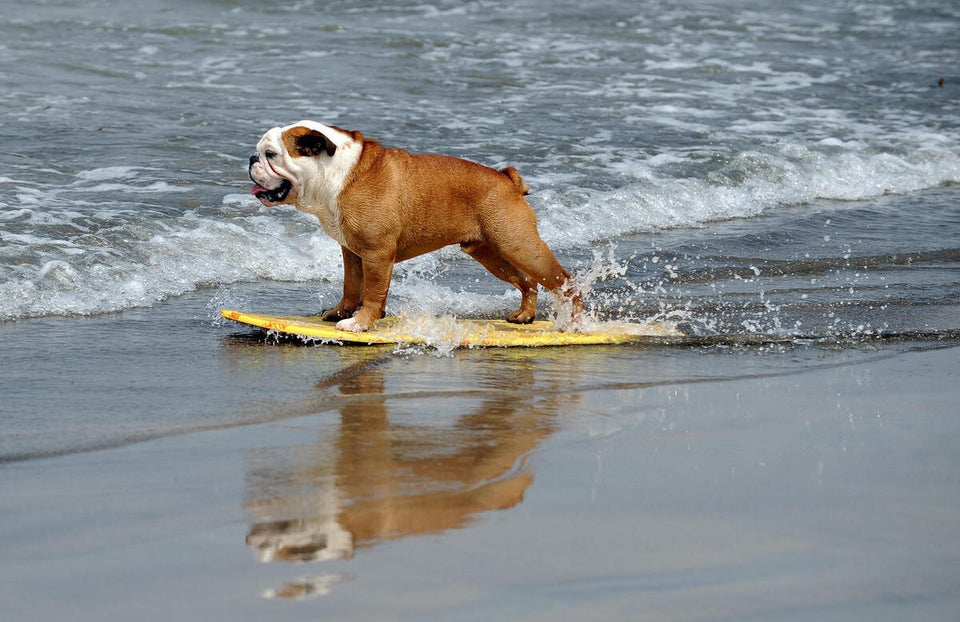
300 160
300 540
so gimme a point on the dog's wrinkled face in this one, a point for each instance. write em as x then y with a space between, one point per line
289 158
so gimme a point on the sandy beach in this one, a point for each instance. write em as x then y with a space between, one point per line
711 483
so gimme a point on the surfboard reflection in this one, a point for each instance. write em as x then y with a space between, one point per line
393 469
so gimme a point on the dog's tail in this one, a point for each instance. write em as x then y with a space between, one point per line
518 182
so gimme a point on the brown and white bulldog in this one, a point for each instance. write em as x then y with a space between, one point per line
386 205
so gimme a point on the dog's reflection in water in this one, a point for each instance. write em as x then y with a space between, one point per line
300 540
381 477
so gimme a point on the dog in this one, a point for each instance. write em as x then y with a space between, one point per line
385 205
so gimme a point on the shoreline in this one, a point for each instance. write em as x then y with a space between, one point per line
207 359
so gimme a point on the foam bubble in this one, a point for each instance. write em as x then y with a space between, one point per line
441 335
109 172
421 295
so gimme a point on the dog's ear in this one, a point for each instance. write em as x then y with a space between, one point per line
305 142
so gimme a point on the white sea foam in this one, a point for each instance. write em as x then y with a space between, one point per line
109 172
96 275
753 182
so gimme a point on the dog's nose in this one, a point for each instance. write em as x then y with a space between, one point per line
254 159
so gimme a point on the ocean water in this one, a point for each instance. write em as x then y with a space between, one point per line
751 166
781 179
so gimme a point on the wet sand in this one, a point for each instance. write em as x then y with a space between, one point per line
791 482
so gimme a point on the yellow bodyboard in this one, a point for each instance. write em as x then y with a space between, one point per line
448 331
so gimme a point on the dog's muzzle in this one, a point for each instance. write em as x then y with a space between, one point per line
271 195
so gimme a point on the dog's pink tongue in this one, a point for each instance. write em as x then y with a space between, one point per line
257 189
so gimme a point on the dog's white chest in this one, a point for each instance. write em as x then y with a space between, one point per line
321 195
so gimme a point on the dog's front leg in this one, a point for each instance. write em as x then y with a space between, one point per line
377 271
352 288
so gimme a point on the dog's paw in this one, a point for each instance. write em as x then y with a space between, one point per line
521 317
351 325
335 315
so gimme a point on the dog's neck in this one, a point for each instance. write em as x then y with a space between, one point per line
321 196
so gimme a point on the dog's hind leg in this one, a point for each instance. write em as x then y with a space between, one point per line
505 271
534 258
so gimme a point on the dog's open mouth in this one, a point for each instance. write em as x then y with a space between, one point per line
276 195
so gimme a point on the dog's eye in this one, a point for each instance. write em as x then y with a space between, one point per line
270 154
